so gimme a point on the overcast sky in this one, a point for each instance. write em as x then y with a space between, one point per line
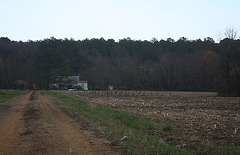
117 19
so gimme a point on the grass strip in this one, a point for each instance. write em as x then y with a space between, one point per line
6 95
120 123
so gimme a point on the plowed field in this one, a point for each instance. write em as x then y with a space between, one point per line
198 119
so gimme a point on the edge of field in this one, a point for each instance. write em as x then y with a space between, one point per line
7 95
138 135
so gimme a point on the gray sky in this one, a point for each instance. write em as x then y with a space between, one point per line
117 19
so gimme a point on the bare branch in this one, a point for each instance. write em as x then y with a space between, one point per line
231 33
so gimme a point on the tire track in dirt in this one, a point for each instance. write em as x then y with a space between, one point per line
9 123
36 126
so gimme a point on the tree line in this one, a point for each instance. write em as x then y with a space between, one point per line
184 65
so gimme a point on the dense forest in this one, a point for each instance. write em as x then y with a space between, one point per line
186 65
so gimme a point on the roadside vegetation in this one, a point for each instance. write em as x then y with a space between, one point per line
133 132
6 95
139 135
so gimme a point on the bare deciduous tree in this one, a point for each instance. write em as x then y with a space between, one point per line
230 33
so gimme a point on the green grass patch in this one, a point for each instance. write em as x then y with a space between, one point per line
120 124
221 150
167 128
228 150
137 129
6 95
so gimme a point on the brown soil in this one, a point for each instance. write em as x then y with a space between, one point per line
199 119
34 124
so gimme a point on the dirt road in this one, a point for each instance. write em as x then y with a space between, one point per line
32 124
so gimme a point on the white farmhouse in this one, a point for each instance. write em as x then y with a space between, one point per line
69 82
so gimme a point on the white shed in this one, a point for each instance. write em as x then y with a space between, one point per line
82 84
